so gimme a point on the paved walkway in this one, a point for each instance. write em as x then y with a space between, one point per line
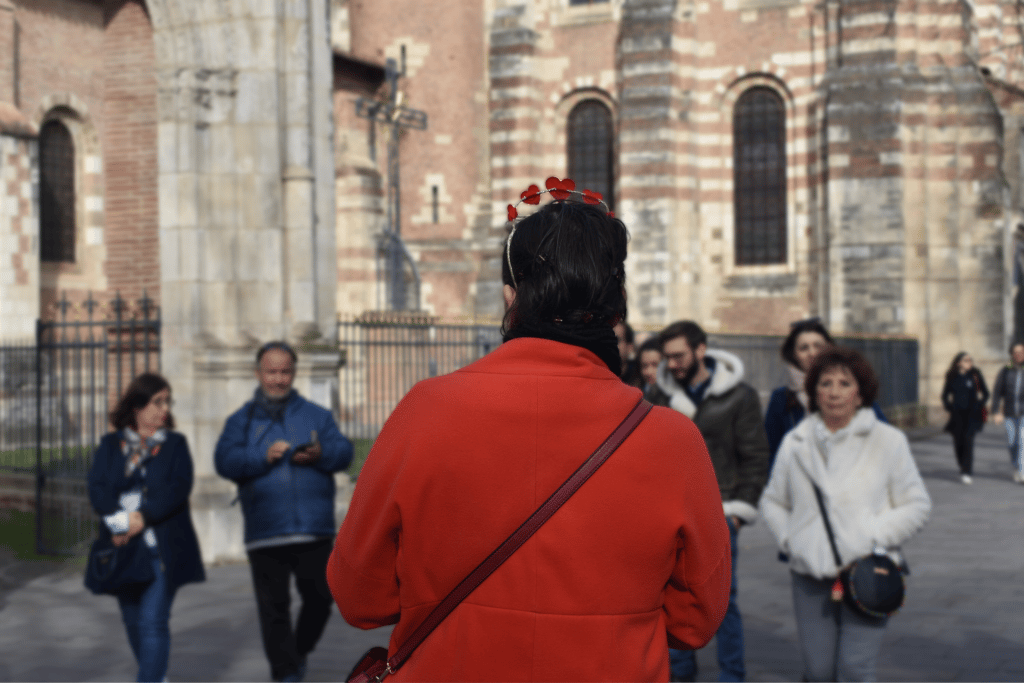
964 618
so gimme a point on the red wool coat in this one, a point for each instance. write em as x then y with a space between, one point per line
638 558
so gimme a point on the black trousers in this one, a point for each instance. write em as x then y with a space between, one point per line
963 431
271 569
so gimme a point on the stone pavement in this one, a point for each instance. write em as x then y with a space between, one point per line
963 621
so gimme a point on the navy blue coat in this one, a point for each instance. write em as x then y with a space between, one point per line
165 508
282 499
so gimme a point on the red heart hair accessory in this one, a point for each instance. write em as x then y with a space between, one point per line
560 189
531 195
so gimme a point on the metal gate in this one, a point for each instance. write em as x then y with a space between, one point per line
84 359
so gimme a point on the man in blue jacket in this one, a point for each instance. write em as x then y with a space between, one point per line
283 451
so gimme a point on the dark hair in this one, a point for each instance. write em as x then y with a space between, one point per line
652 344
568 259
137 396
842 357
695 336
278 346
788 350
953 369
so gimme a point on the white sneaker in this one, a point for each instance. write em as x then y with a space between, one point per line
966 478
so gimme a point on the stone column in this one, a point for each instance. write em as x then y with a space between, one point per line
655 166
246 217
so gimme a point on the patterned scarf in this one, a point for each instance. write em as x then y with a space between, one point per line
136 451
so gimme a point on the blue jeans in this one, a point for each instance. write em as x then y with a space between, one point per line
729 638
146 613
1015 440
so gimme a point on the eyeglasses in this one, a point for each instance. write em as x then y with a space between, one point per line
163 402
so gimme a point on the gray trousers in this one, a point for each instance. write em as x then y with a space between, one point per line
838 644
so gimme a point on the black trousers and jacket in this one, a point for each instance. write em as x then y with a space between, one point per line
964 395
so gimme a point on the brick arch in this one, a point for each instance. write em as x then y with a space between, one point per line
571 96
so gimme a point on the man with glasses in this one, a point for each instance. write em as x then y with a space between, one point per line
283 451
707 386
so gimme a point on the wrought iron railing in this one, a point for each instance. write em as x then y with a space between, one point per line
55 400
385 354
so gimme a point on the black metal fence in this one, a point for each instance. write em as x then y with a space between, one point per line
55 399
895 361
386 354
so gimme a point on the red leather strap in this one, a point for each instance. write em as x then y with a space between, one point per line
520 535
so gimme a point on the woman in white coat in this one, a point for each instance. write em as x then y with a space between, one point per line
874 496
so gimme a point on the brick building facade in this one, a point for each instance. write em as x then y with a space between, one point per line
773 159
883 200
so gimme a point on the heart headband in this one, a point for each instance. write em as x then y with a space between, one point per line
559 190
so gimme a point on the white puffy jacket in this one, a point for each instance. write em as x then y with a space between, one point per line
872 491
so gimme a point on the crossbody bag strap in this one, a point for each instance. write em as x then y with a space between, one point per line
828 525
520 535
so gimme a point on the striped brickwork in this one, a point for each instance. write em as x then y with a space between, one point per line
19 243
914 219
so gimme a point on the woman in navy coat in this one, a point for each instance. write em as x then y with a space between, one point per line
139 484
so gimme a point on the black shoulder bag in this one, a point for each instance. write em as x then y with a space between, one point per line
872 585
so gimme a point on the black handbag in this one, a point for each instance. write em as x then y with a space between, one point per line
112 569
873 585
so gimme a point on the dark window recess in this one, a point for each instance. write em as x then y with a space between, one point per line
433 195
759 177
56 193
590 148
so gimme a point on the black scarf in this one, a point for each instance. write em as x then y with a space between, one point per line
273 407
599 339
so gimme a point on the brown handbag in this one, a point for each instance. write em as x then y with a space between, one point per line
375 665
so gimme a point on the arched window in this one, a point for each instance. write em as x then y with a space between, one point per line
590 148
759 177
56 193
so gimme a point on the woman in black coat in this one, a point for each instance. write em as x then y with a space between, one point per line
964 395
139 484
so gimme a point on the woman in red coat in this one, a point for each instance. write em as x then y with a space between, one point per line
637 560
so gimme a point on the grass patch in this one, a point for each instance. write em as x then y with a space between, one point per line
25 458
361 449
18 535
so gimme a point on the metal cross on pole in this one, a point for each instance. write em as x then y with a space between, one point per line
396 115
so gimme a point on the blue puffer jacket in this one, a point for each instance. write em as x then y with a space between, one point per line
282 499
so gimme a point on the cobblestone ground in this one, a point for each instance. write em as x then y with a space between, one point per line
963 621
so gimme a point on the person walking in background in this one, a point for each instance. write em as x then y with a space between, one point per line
964 396
625 338
649 358
283 451
874 497
788 404
139 484
707 386
641 549
1009 391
